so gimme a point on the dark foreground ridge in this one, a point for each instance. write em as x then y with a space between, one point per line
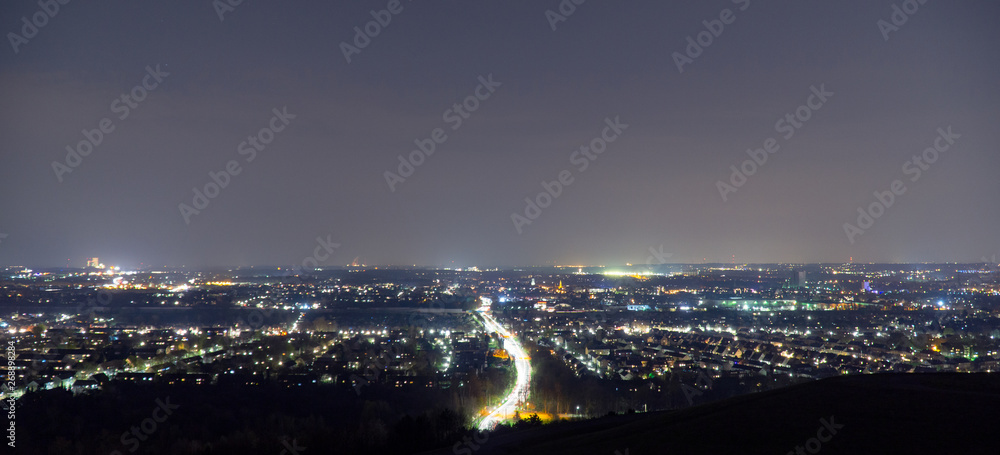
870 414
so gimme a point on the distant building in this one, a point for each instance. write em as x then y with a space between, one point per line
800 279
93 263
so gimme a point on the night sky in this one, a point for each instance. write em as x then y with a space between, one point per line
660 183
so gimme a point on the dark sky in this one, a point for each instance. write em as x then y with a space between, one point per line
655 186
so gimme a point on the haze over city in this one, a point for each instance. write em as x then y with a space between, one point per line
344 111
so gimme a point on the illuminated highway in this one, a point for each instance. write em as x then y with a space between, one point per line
519 393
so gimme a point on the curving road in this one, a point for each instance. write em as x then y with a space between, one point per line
519 393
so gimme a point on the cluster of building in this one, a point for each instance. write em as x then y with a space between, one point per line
79 329
634 349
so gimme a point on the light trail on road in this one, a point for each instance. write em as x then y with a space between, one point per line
519 393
